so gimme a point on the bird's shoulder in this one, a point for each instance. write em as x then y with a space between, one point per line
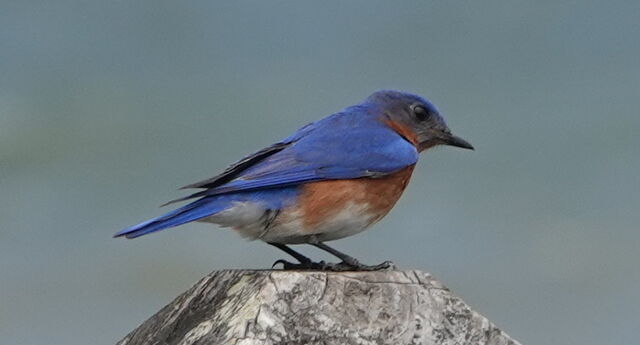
353 134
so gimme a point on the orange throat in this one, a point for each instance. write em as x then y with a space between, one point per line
406 133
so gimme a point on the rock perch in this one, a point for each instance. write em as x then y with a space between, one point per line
247 307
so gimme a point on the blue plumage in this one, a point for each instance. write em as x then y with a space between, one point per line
315 152
376 138
272 199
320 152
191 212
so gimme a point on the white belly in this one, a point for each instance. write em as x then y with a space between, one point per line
291 228
253 222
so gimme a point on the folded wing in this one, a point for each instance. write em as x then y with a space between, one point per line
339 147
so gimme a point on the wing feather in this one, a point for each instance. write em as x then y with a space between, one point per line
344 148
233 170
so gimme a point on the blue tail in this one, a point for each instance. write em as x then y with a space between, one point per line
196 210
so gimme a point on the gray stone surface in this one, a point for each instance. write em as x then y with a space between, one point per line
246 307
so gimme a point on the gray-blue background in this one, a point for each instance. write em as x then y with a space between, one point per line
107 106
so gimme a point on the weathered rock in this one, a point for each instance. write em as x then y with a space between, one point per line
293 307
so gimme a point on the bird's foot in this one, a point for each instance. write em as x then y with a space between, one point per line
304 265
357 266
352 265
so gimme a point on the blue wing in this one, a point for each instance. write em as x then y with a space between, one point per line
343 146
235 169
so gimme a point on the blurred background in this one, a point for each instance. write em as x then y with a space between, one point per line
106 107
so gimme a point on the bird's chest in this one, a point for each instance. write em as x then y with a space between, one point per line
339 208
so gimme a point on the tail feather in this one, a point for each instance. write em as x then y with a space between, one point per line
196 210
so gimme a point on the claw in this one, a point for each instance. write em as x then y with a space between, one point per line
334 267
344 266
387 265
307 265
287 265
283 262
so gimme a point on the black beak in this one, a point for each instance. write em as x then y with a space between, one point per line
452 140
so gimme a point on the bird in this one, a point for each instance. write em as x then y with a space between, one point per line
330 179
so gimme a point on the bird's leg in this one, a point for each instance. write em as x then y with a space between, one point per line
301 258
350 263
304 262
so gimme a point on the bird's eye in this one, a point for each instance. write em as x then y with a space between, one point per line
420 112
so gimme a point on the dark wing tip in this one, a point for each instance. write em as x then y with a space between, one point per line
191 196
233 170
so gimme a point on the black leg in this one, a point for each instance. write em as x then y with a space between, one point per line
304 262
301 258
350 263
340 255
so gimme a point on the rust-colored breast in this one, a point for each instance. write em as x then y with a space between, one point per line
404 131
322 200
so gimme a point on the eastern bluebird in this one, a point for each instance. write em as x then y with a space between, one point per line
331 179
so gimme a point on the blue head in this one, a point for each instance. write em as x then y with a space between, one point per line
415 118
